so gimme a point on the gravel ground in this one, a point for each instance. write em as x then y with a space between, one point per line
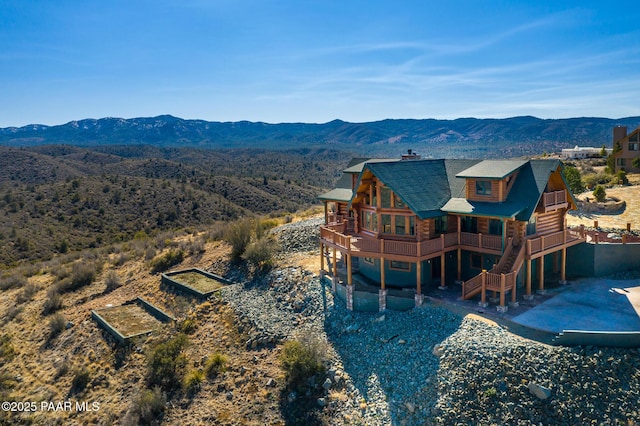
430 366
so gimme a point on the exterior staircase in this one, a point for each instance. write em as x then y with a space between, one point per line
509 262
503 275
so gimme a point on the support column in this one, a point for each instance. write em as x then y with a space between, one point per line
443 284
326 213
382 294
382 300
334 271
321 258
349 283
528 295
503 282
483 294
419 295
514 298
563 267
541 289
459 265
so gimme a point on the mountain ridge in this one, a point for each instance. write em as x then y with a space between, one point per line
521 135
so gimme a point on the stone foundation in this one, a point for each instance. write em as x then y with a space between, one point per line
382 299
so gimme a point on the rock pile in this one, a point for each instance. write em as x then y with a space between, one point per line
429 366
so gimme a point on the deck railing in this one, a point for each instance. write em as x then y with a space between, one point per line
554 198
335 234
539 244
493 242
500 283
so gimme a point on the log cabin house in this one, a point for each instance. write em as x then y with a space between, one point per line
626 149
414 224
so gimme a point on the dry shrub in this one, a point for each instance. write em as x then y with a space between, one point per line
238 236
167 260
302 359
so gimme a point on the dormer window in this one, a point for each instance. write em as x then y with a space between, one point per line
483 187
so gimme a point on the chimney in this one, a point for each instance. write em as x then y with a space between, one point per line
619 133
411 155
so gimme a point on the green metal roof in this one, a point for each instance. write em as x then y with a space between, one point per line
479 208
423 185
492 169
357 168
337 194
432 188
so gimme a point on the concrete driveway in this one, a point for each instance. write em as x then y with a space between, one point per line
593 304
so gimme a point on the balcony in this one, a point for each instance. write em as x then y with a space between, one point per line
537 246
554 200
334 235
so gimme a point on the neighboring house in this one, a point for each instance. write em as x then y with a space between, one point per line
419 224
626 148
579 152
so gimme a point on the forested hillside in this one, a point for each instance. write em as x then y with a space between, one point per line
55 199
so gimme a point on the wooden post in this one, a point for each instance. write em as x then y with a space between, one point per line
624 238
335 264
419 277
541 274
459 264
628 227
563 267
513 289
582 231
382 281
502 288
595 223
326 213
528 281
479 240
596 237
349 280
442 272
483 296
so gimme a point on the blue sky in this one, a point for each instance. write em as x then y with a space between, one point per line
315 61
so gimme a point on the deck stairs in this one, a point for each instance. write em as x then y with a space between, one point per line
509 265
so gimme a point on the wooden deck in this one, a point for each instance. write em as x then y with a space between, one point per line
365 246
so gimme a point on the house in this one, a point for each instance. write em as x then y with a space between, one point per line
581 152
415 225
626 148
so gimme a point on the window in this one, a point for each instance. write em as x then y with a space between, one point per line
634 138
396 264
531 226
495 227
633 146
368 260
366 223
476 261
620 162
370 221
400 225
385 223
483 187
412 225
385 197
469 224
441 225
398 202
